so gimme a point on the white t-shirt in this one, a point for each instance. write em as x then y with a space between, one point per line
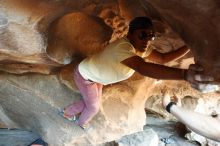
106 67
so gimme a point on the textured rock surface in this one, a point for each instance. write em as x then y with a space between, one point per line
69 38
173 131
146 138
197 22
43 37
32 102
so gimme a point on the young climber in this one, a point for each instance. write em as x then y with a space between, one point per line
117 62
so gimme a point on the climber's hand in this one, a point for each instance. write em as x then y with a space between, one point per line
166 100
199 81
168 97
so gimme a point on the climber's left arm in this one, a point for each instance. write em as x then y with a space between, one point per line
163 58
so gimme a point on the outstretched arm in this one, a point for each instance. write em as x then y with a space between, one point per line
153 70
163 58
202 124
193 75
199 123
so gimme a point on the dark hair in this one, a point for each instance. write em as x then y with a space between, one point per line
140 23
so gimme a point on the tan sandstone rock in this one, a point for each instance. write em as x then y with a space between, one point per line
49 37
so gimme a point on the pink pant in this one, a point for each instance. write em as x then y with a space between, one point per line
89 105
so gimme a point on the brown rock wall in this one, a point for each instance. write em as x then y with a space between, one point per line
197 23
45 36
76 34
